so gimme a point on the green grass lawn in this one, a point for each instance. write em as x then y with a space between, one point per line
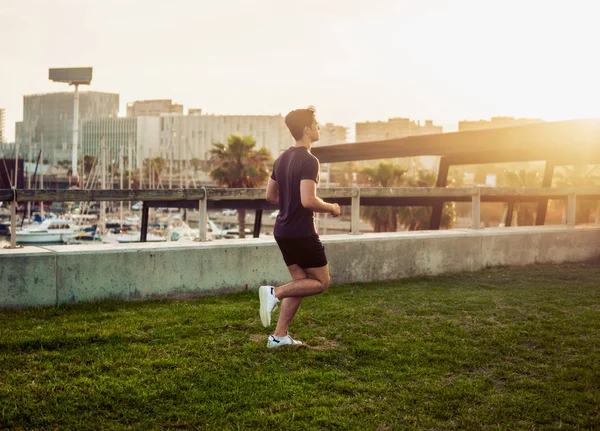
506 349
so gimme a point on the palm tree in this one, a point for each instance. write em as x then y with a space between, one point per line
343 173
88 163
239 165
383 219
418 218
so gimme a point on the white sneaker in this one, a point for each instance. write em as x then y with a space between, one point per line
268 302
276 342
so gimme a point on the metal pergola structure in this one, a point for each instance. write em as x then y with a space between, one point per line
573 142
204 198
557 143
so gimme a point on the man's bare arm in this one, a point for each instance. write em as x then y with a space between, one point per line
310 200
272 191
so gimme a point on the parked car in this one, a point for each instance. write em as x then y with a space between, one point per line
229 212
274 214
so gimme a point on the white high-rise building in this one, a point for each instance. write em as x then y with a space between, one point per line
148 138
183 137
50 117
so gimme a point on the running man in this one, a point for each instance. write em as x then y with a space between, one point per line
293 185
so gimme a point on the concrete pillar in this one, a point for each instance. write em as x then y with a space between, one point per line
540 216
355 213
257 223
572 210
510 207
144 228
13 222
202 211
476 210
438 207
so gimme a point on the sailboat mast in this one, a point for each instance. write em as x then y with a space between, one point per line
42 173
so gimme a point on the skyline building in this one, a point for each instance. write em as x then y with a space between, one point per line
127 141
189 136
153 108
332 134
496 122
393 128
50 116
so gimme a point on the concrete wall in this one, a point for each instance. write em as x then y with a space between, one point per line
39 276
27 277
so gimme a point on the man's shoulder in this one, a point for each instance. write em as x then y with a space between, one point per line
310 156
284 155
297 154
304 154
313 156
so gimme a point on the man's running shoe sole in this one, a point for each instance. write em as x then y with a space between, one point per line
263 295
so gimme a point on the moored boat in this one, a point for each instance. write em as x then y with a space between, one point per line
49 231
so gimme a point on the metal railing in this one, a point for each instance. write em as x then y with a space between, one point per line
411 196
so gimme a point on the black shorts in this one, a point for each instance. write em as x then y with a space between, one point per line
307 252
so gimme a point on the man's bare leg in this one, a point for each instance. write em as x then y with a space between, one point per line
289 305
316 281
307 282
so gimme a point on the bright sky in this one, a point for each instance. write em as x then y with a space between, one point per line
445 60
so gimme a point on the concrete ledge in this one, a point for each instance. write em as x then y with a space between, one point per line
390 256
27 277
36 276
133 271
541 244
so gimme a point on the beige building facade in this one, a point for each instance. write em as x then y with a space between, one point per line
394 128
183 137
153 108
496 122
332 134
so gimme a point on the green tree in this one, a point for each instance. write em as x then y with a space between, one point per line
418 218
387 219
196 163
88 163
343 173
63 163
239 165
383 219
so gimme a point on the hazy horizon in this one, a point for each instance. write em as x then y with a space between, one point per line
432 59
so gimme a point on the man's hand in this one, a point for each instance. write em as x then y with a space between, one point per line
335 211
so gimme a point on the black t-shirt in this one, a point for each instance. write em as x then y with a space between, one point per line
291 167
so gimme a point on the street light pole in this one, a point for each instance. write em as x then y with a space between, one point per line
75 130
74 76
